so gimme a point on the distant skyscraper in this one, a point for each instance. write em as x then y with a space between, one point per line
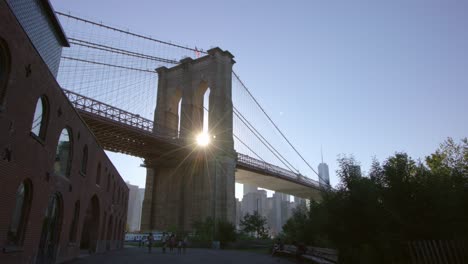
254 201
249 188
356 170
324 177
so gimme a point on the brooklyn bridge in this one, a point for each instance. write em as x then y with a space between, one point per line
193 122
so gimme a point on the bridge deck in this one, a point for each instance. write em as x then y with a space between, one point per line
120 131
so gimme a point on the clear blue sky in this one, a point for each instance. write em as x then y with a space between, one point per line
367 78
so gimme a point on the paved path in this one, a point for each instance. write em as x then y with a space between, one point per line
205 256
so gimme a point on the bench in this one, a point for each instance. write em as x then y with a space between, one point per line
314 254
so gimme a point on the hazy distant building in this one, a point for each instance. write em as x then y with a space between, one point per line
249 188
356 170
135 201
299 202
280 211
324 177
141 191
255 201
239 213
276 209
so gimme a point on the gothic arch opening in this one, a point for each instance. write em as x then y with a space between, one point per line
175 114
202 102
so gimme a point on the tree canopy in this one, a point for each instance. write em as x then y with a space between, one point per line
370 218
254 223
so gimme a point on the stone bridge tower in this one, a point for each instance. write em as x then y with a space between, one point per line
200 182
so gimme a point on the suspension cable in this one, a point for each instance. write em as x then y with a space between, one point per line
273 123
127 32
97 46
263 140
107 64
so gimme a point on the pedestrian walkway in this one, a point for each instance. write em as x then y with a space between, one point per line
134 255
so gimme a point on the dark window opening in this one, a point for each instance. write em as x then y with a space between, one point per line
20 214
63 155
4 68
39 122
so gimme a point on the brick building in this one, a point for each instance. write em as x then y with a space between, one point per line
59 193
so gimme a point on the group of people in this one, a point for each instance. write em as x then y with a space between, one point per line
170 242
301 249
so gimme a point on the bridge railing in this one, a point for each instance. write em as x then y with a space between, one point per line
101 109
273 169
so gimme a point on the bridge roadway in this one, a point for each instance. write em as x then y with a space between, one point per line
120 131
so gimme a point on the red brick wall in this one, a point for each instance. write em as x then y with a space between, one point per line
34 160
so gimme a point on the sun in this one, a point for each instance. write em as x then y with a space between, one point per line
203 139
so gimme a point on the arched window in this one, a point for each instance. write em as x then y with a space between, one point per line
39 122
4 68
206 110
84 160
63 155
20 214
51 229
98 174
75 220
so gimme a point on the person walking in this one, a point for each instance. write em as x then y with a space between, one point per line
150 242
179 245
171 243
164 243
184 244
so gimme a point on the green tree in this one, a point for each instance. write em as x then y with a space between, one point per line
370 218
206 231
225 232
255 223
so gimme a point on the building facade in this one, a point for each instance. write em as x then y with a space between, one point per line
59 192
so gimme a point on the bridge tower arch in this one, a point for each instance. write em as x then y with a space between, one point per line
200 183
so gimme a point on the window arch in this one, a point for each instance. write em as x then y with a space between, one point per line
202 102
179 117
75 220
20 214
174 109
4 68
39 123
63 155
84 160
98 174
206 110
